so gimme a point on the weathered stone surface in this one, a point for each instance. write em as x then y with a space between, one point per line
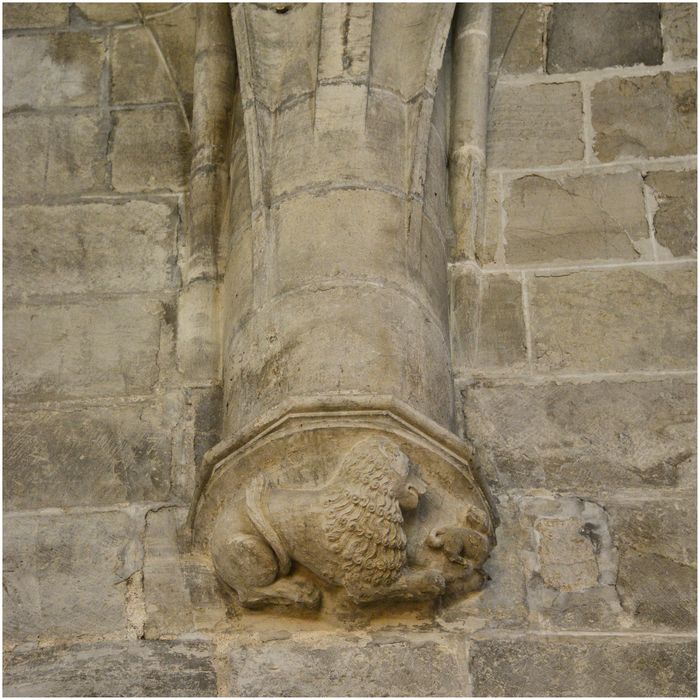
501 335
643 117
658 570
614 320
138 73
53 154
591 217
82 248
181 594
679 21
582 666
88 349
151 150
517 37
464 319
535 125
502 602
155 8
175 34
567 557
587 438
21 15
65 575
582 36
138 668
90 456
333 665
108 13
48 70
675 219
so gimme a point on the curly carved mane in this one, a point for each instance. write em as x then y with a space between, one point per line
363 522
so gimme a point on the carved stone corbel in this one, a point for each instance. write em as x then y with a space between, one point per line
340 467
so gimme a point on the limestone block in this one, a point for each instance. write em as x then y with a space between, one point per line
151 150
21 15
108 13
433 269
502 602
501 335
138 73
486 246
582 37
181 594
586 438
86 349
299 159
353 234
87 248
345 41
573 666
137 668
337 338
94 455
535 125
50 70
642 117
591 217
658 570
26 140
237 289
517 38
464 315
65 575
284 50
675 219
174 33
403 45
586 321
679 24
155 8
567 556
53 154
332 665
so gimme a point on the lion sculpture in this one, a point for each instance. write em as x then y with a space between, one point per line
349 533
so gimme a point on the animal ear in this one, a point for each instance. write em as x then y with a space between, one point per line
394 456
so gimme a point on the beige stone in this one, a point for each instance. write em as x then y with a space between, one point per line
175 34
614 320
535 125
517 38
675 218
649 116
679 24
21 15
150 150
135 668
87 349
138 72
589 438
561 665
501 332
567 557
54 154
348 665
89 248
108 13
464 318
65 575
584 37
658 569
50 70
91 456
591 217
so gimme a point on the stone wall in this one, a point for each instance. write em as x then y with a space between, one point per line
573 343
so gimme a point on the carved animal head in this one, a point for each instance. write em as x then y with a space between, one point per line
364 523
